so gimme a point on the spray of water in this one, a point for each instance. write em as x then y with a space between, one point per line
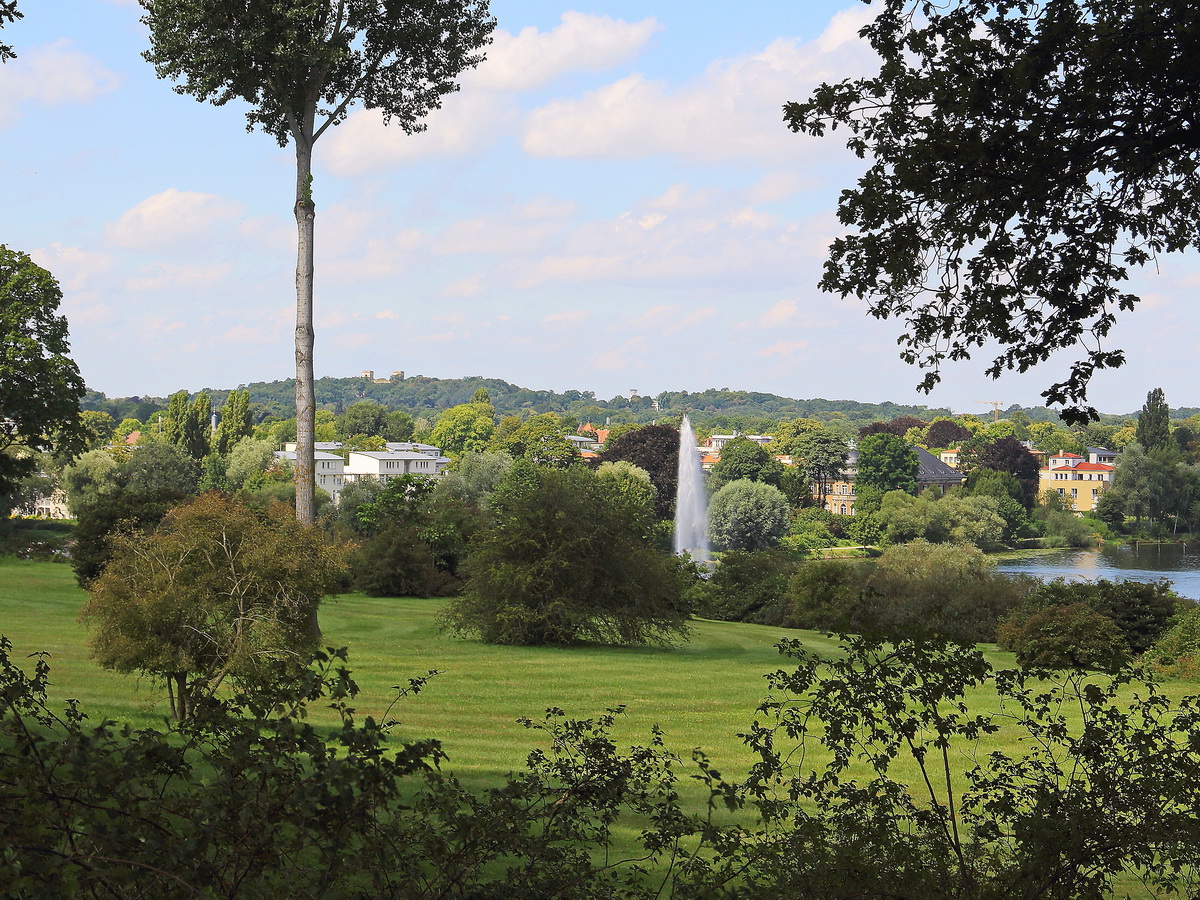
691 504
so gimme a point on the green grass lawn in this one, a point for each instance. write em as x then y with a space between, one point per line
701 693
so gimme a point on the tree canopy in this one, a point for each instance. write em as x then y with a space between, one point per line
747 515
301 65
40 386
1024 157
654 448
569 558
1154 421
887 463
216 591
743 458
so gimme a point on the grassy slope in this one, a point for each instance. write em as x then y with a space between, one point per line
701 693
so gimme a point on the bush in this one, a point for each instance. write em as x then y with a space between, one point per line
746 587
1074 636
217 591
248 799
397 562
569 557
949 590
1177 651
825 593
1141 611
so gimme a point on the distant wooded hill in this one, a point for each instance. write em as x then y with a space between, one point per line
425 397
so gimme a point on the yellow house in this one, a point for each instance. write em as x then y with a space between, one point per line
1079 481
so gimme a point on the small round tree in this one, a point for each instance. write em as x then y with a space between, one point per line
747 515
217 591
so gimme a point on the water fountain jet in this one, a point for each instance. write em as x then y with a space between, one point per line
691 503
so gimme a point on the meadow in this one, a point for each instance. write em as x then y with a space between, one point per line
701 693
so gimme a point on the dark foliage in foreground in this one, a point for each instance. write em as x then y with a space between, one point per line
249 800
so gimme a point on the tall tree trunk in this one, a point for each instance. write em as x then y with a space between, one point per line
306 213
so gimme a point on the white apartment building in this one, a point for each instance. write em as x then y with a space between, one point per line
329 470
385 464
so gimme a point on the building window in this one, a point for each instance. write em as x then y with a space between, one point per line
1074 492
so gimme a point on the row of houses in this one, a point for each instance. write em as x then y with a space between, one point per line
1079 480
332 471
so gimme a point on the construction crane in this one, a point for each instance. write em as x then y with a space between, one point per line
995 405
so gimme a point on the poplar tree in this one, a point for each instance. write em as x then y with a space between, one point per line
1154 422
236 422
301 65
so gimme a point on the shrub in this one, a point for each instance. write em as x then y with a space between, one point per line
945 589
1073 636
568 557
1141 611
747 587
824 594
216 591
397 562
1177 651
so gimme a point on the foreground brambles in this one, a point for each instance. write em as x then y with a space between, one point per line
249 799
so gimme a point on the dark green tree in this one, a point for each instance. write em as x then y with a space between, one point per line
654 448
398 426
1024 157
110 493
175 419
197 427
886 462
568 558
40 386
1154 422
301 65
1009 456
364 417
821 456
743 458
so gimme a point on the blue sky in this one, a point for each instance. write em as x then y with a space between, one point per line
611 202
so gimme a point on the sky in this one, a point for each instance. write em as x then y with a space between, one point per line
611 202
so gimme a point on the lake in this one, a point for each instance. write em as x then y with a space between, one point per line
1178 563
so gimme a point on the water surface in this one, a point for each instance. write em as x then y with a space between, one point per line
1178 563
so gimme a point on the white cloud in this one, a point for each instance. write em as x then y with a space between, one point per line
630 355
169 217
72 266
52 75
582 42
782 348
569 317
466 123
472 119
778 314
471 286
732 111
186 277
